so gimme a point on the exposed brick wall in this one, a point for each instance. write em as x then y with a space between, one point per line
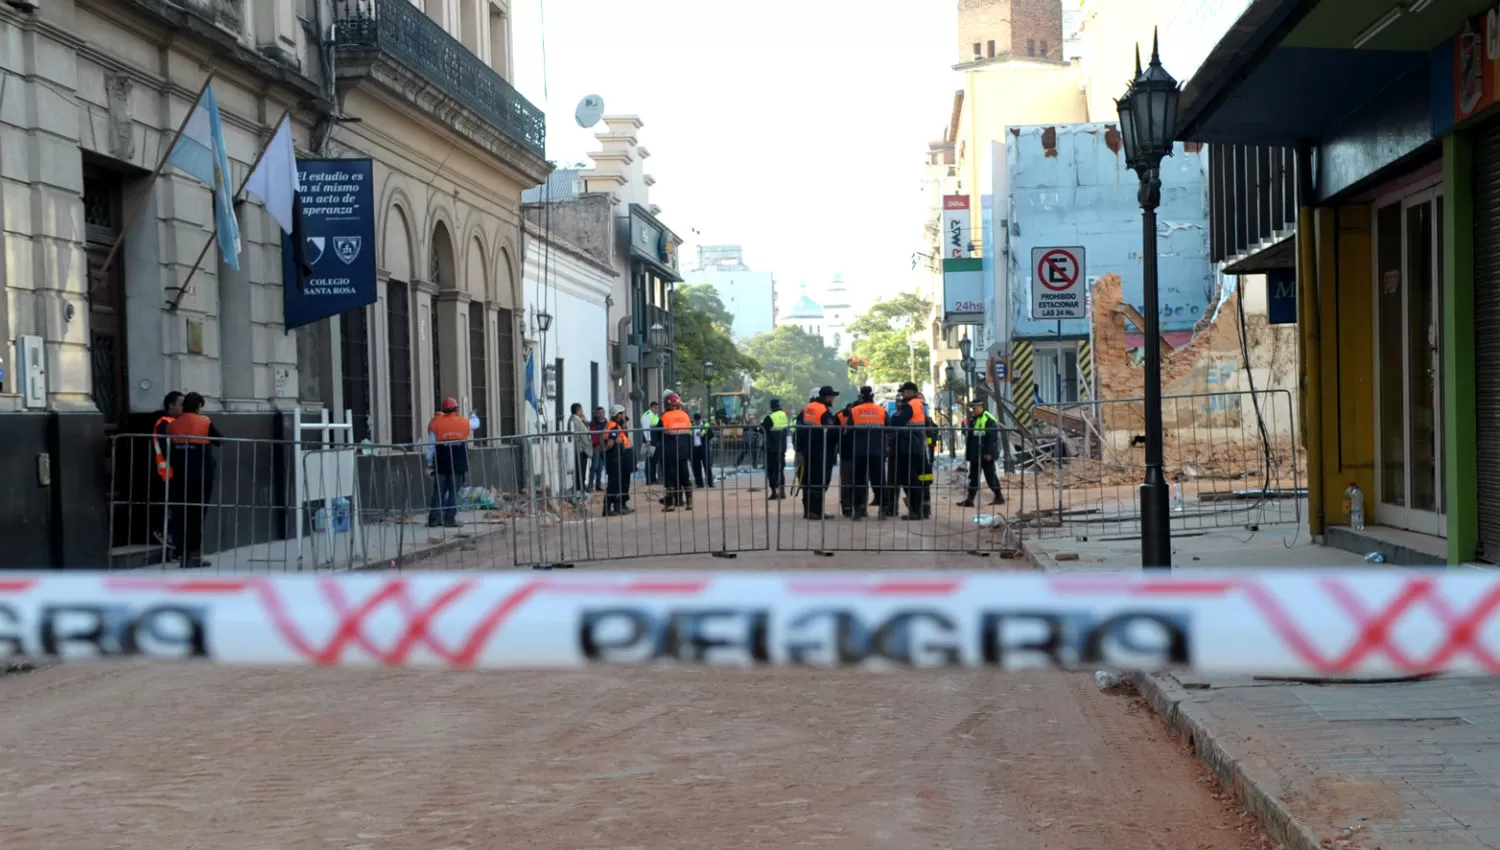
1017 27
983 21
1036 25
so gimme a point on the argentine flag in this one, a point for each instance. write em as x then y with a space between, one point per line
199 151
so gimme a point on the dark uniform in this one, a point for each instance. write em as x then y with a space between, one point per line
913 457
981 446
677 454
192 481
867 426
619 463
817 441
775 426
845 435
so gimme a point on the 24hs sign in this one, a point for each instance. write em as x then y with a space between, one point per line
1058 290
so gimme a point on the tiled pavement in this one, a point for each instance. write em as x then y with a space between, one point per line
1352 765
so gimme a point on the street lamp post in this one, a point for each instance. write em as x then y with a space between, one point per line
1148 122
966 351
708 389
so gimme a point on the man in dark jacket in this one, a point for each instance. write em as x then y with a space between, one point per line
982 444
821 443
913 458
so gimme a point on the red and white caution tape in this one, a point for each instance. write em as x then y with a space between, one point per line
1389 623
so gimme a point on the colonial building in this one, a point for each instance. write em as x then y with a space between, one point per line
92 93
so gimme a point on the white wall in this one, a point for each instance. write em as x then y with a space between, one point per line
574 294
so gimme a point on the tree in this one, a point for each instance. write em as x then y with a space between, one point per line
889 337
793 362
702 333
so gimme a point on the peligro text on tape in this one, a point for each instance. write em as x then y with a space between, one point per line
1264 622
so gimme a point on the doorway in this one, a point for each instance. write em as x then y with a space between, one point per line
106 297
1409 362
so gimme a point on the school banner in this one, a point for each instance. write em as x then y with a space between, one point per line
338 221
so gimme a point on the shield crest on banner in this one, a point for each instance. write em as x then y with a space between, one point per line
315 246
347 247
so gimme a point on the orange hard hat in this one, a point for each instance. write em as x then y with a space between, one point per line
450 403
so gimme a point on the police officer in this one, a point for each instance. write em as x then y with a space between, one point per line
844 433
193 473
867 430
164 522
619 462
819 446
981 445
677 453
913 460
775 426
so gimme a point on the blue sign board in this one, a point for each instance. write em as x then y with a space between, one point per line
338 220
1281 297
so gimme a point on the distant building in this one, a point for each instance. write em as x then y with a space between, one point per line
805 313
838 312
749 295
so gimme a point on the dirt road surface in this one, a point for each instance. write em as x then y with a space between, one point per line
156 757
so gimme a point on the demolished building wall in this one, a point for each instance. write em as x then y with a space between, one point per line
1211 422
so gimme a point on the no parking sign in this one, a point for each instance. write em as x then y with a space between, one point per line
1058 290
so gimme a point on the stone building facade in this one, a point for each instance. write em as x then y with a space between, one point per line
91 93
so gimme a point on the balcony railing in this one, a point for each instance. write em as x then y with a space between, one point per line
398 28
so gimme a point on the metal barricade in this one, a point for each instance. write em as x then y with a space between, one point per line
899 489
700 505
1231 458
252 505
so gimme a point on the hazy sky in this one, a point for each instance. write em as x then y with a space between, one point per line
795 128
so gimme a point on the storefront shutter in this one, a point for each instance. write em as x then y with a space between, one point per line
1487 333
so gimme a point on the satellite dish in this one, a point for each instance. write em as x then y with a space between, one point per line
589 111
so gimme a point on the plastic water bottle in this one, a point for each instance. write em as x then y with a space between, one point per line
1178 504
1354 506
340 515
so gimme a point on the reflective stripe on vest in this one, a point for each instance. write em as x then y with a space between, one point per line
779 420
163 469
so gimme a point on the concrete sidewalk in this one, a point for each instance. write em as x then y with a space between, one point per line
1352 766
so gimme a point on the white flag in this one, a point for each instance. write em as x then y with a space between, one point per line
275 180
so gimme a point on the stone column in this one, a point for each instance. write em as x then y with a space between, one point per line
453 343
423 300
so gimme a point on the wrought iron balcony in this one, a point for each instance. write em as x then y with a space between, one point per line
402 31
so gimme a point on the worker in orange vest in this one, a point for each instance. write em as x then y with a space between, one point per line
192 477
677 452
162 516
822 443
913 457
868 428
447 463
619 462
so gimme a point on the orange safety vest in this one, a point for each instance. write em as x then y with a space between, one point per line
190 429
449 427
677 421
918 411
163 468
814 412
614 430
867 414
